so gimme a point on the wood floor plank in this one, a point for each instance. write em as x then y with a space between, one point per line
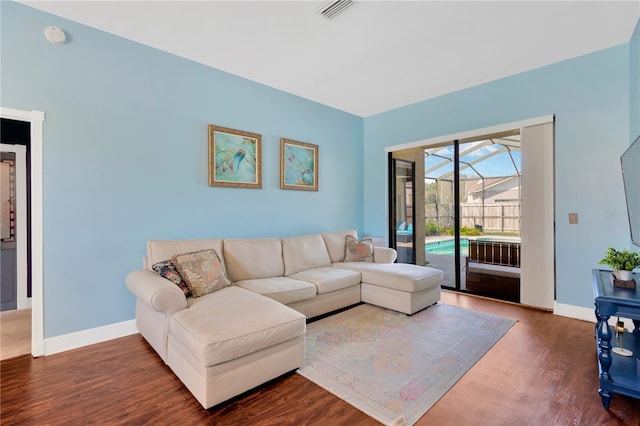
15 333
542 372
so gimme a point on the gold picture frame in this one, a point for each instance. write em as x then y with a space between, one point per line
298 165
235 158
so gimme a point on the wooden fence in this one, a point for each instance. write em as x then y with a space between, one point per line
492 218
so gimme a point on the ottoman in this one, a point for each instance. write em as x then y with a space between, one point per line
398 286
231 341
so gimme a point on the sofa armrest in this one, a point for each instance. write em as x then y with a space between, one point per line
156 292
384 255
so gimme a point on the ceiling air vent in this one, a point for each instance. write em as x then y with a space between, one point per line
333 8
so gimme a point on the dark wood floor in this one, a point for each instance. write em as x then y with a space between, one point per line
542 372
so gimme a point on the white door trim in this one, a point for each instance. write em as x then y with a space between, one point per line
23 302
36 119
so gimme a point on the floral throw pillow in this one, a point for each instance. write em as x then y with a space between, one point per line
358 251
202 271
166 269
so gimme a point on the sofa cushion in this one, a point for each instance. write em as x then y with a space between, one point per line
329 279
335 242
233 322
305 252
248 259
396 276
358 251
159 250
202 271
166 269
283 289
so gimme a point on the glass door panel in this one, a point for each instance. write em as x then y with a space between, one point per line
490 187
471 208
440 211
402 224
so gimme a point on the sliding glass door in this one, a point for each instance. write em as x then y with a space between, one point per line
490 205
488 228
472 193
402 202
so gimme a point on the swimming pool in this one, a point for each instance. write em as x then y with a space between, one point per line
447 247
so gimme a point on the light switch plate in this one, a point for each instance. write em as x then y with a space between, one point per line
573 218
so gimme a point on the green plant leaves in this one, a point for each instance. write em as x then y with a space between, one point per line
621 259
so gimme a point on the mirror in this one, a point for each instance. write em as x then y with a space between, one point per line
631 175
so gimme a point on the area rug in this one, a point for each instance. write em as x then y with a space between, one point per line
388 364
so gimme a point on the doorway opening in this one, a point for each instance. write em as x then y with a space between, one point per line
472 214
488 217
15 228
472 200
34 120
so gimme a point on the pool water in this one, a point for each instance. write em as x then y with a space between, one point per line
447 247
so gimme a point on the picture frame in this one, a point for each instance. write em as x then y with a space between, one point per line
298 165
235 158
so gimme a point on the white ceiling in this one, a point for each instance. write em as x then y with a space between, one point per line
376 55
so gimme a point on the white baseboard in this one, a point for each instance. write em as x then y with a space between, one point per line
91 336
24 303
575 312
585 314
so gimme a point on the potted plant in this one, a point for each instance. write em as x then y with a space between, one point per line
623 262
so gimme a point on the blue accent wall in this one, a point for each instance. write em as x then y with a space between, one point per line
125 155
589 96
125 159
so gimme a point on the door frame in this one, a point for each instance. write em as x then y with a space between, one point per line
471 134
20 151
36 119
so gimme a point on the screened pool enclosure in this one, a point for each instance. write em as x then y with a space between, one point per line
490 182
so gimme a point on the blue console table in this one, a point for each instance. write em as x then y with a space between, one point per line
618 374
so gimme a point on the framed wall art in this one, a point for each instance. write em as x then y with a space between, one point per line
235 158
298 165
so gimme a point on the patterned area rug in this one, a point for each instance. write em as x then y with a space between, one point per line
388 364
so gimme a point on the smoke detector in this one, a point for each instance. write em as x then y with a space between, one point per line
333 8
55 35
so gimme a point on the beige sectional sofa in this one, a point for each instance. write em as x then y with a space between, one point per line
236 338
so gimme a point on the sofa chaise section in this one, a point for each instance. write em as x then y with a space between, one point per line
251 339
157 298
398 286
220 344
